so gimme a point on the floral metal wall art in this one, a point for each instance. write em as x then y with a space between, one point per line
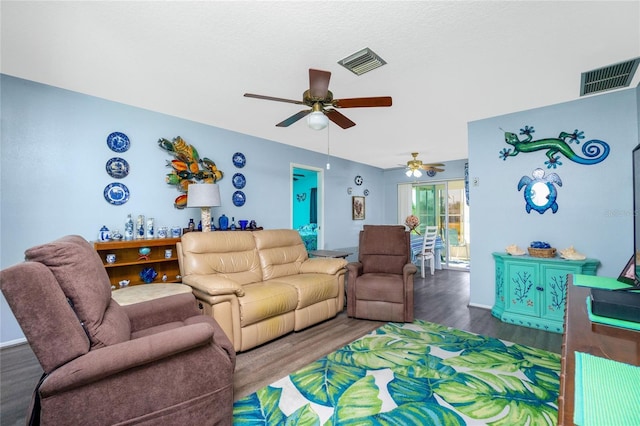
187 168
540 192
594 150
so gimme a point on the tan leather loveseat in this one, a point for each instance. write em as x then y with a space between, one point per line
260 285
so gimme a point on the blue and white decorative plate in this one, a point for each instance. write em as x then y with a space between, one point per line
118 142
239 160
239 181
116 193
117 167
239 198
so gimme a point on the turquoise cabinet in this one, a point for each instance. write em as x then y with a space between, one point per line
532 291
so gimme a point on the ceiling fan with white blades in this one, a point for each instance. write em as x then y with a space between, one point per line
415 167
322 104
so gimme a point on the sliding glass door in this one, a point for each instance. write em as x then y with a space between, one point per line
444 205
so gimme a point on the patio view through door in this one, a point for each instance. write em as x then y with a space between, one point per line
444 204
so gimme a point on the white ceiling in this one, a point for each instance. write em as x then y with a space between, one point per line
448 62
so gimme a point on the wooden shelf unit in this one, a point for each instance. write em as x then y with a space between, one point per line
128 262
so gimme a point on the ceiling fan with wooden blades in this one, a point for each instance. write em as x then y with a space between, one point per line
320 99
415 166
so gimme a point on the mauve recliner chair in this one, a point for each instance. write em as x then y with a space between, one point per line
380 284
150 363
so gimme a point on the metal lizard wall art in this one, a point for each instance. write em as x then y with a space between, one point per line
594 150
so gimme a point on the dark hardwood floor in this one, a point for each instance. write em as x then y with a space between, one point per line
442 298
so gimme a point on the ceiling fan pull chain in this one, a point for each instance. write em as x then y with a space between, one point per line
328 147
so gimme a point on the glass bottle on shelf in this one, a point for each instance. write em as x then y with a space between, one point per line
223 222
233 223
192 225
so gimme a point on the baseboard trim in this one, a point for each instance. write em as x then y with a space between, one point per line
15 342
477 305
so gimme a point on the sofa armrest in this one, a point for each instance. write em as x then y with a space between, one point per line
214 285
108 361
154 312
408 270
322 265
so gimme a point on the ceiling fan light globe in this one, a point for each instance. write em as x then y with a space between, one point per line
417 173
409 173
317 120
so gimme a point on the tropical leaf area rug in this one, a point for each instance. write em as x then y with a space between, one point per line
419 373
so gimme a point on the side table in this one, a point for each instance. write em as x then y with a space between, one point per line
329 253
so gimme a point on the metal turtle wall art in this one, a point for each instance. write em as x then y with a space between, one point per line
540 192
187 168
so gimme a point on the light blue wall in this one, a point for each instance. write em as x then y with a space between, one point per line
595 202
53 154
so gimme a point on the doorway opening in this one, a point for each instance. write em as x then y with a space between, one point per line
307 204
444 205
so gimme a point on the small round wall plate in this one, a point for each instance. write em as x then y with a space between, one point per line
239 198
117 167
358 180
366 192
116 193
239 181
118 142
239 160
431 173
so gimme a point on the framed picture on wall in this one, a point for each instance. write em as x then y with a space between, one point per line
357 208
628 273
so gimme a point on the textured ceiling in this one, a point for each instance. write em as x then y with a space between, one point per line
448 62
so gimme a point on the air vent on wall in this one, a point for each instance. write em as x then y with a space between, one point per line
362 61
610 77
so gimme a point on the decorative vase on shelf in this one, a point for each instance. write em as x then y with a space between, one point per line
150 229
223 223
233 223
128 228
104 234
140 227
243 224
148 275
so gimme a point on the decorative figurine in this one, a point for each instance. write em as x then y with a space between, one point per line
144 253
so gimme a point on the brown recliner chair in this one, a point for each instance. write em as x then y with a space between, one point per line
150 363
380 284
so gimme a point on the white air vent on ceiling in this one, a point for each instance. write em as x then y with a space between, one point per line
362 61
610 77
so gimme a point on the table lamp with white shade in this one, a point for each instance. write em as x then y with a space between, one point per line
205 196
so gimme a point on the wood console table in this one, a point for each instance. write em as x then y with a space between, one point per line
581 335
